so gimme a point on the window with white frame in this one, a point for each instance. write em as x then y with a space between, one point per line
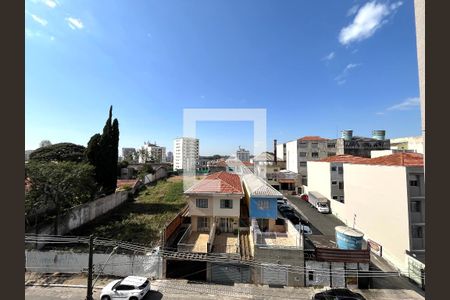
202 203
226 203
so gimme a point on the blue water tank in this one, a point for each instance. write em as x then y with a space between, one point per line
348 238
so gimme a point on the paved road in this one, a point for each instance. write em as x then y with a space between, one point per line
176 289
320 223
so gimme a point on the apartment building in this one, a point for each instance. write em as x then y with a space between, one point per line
361 146
154 153
242 154
214 209
412 143
130 155
308 148
186 153
169 156
383 197
266 165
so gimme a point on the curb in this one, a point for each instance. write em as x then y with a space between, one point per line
61 285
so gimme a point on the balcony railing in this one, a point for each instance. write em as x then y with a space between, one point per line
183 246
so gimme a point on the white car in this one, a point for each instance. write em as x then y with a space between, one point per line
323 207
129 288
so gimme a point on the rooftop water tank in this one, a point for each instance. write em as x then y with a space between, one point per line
347 134
379 134
348 238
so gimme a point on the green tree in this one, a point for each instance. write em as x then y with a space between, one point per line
103 153
144 154
45 143
58 184
59 152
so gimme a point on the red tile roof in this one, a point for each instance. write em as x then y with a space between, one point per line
396 159
313 138
220 182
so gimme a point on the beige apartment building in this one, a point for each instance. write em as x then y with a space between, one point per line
383 197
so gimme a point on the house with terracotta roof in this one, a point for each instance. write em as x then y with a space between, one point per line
214 210
383 197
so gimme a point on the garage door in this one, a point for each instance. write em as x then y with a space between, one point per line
227 273
273 274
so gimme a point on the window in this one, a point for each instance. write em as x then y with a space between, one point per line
341 198
314 145
331 145
416 206
302 145
226 203
202 203
202 223
304 180
279 221
315 154
143 285
334 182
334 197
310 275
414 182
417 232
302 154
331 153
303 164
124 287
262 204
340 170
333 169
341 185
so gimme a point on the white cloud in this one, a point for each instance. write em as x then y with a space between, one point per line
39 20
74 23
352 10
368 19
50 3
407 104
329 56
341 78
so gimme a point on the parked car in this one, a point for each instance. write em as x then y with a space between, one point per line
305 228
285 207
291 217
338 294
129 288
282 201
304 197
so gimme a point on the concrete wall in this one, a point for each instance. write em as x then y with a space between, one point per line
319 178
84 213
69 262
376 197
289 257
329 274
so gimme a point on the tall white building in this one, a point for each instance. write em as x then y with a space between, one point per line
185 153
242 154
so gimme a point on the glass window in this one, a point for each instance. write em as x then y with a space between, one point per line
303 164
226 203
331 145
335 197
144 285
302 154
202 203
341 185
341 170
302 145
314 145
414 183
417 232
334 182
263 204
315 154
333 169
310 275
202 223
124 287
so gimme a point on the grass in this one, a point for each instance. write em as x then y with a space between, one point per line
140 221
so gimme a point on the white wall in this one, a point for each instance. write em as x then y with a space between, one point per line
69 262
227 212
319 178
291 156
377 195
280 151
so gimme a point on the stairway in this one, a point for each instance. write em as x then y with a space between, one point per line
244 242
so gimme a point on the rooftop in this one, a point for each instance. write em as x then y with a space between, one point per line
396 159
257 186
220 182
313 138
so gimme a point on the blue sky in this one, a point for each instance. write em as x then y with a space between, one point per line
317 67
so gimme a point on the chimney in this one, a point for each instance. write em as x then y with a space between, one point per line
275 151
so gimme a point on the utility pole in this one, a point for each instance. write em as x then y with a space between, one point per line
89 283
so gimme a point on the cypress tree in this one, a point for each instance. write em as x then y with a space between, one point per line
103 152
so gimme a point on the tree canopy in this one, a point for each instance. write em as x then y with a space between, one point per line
59 152
103 153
